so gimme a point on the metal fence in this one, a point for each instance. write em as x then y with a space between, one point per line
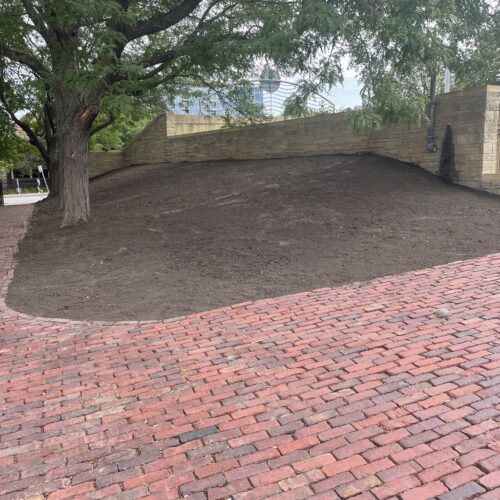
24 184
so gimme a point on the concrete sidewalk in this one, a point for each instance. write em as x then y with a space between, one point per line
23 199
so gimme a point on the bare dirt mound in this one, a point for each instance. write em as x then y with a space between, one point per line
166 241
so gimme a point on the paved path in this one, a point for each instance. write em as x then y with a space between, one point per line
364 391
23 199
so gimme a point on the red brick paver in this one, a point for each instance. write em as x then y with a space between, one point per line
364 391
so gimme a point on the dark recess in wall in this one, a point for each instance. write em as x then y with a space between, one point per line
447 169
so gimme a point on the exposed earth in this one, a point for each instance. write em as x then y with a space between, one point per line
166 241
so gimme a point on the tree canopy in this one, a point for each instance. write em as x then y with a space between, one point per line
15 151
75 65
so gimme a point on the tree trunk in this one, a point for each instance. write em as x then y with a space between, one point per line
52 165
52 159
74 175
54 177
73 122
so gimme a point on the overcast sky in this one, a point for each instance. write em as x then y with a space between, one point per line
346 95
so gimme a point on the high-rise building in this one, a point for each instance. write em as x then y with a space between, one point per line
204 101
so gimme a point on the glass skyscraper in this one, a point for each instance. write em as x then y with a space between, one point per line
207 102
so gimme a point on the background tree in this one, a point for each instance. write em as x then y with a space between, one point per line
73 61
15 150
408 44
21 123
478 62
128 117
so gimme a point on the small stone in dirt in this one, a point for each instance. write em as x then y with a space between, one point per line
443 313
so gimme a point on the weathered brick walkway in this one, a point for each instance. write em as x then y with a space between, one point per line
359 392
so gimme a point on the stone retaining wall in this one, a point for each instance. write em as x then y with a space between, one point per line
149 146
472 114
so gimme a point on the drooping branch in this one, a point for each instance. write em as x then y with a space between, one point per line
111 119
24 58
34 139
161 22
163 58
160 60
224 99
49 112
36 19
49 127
171 54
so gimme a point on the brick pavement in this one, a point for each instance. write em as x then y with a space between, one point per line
366 391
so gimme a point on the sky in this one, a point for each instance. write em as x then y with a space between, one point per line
347 94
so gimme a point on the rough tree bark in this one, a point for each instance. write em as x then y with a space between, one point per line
54 174
52 159
74 121
73 161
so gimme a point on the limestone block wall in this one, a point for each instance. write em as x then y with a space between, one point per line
473 115
105 161
491 141
491 138
149 146
464 111
316 135
192 124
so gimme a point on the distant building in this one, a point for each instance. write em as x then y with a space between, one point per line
209 103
